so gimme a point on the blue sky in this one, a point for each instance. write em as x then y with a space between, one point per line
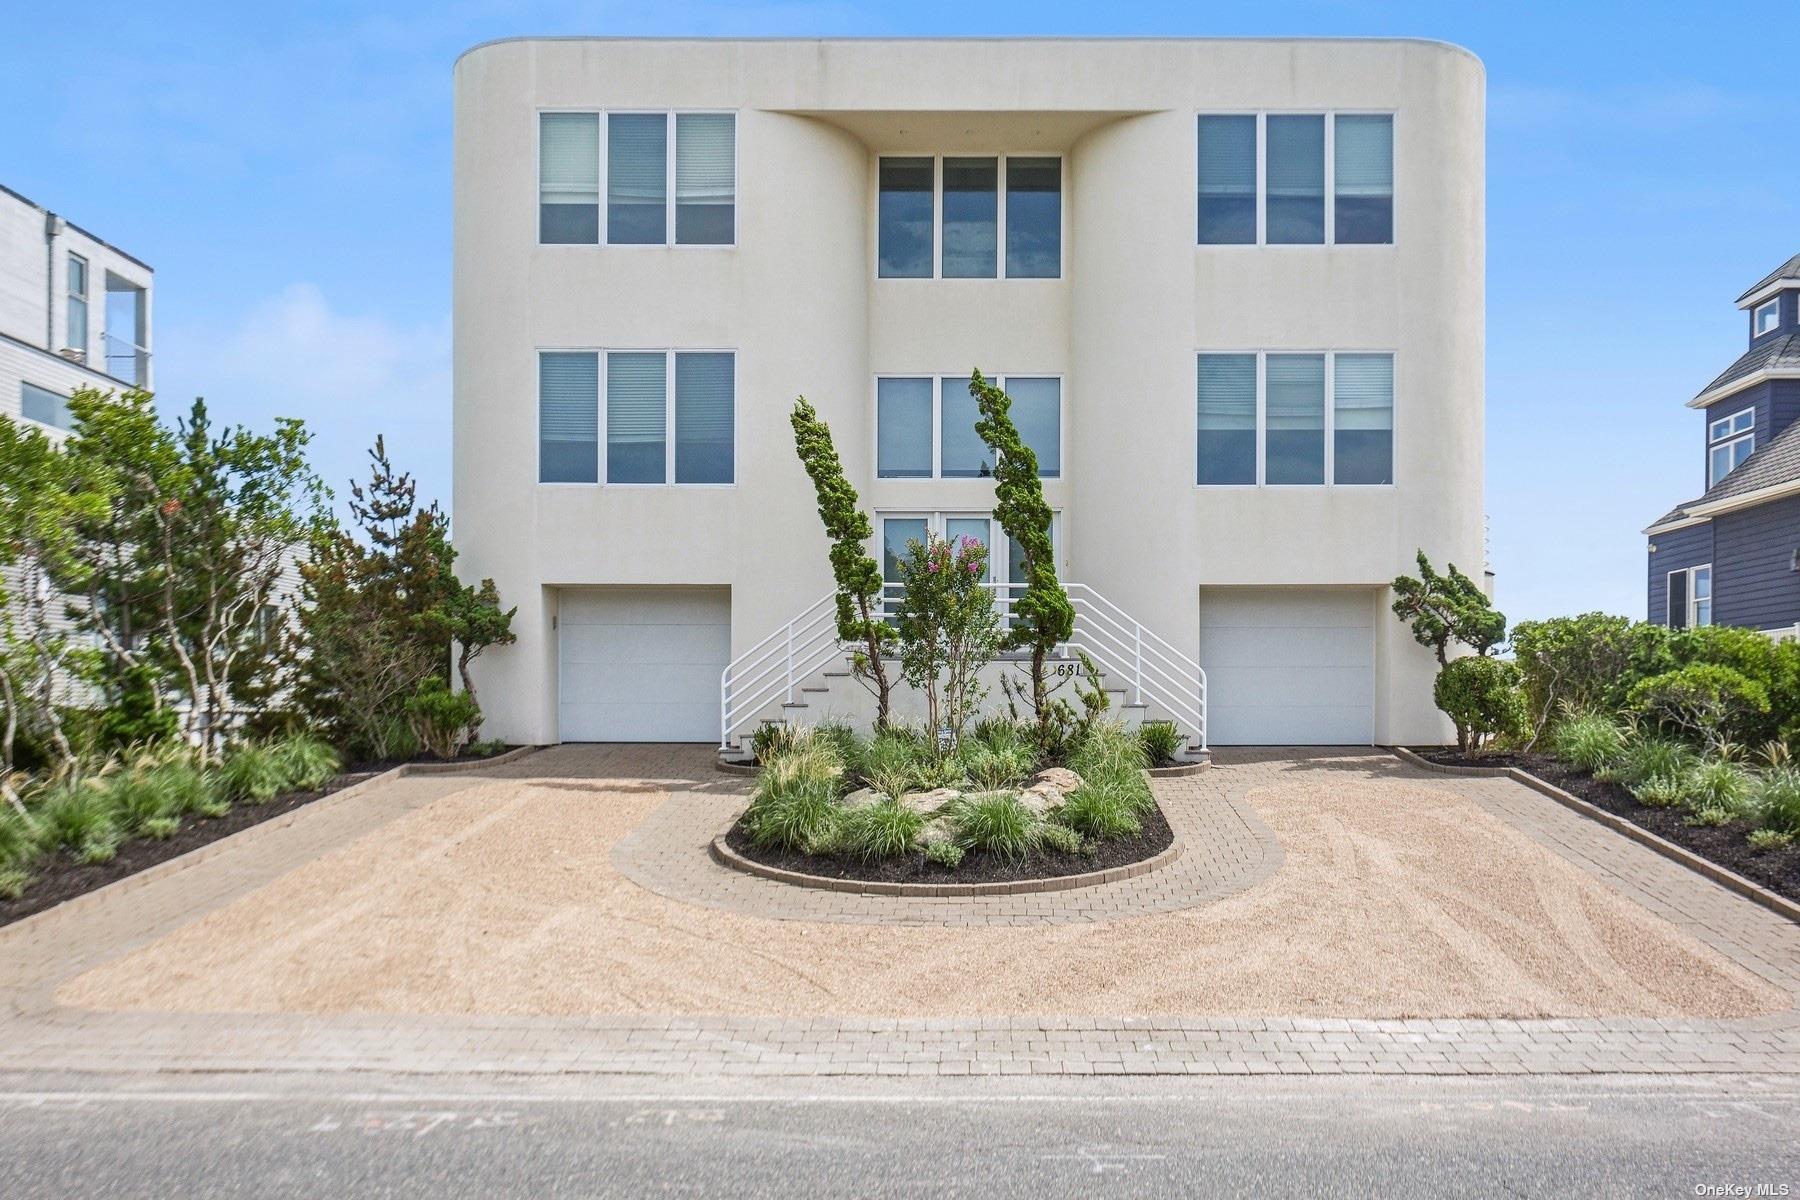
286 170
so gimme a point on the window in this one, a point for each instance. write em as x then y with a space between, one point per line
925 426
1296 180
974 223
1362 398
1690 597
898 529
43 406
1729 441
640 409
1363 158
78 306
569 178
1033 218
568 417
1227 181
642 209
1263 179
1766 318
904 217
1294 419
971 217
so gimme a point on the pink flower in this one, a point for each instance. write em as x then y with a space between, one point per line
974 567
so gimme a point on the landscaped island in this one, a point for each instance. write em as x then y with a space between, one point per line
894 808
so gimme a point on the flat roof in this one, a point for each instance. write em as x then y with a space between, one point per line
84 232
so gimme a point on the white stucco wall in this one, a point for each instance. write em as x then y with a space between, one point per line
798 301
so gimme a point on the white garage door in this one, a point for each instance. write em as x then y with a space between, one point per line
642 664
1288 666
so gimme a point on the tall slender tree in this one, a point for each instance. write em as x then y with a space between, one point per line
857 574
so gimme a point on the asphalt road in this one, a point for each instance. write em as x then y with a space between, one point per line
345 1136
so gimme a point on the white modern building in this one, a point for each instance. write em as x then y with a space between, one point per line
74 313
1235 289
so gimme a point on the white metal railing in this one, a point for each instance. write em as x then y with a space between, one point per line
126 361
1784 633
1150 668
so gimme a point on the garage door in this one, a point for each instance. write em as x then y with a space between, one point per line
1288 666
642 664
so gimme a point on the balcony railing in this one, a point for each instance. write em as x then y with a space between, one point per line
126 362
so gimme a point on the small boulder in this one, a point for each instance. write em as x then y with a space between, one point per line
938 829
1060 778
930 802
1040 798
861 798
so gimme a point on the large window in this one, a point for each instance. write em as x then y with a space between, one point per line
1766 318
1294 419
1729 441
925 426
1004 567
1690 597
1263 179
78 303
43 406
943 217
646 395
643 205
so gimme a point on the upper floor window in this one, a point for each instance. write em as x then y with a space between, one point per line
43 406
1264 179
1729 441
634 417
1765 318
943 217
1294 419
671 178
925 427
77 336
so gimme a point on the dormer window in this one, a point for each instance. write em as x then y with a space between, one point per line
1729 441
1765 318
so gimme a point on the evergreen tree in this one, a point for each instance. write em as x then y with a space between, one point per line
1447 608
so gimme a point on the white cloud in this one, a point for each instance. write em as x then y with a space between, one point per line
348 376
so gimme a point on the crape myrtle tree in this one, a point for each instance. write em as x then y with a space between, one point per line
1042 617
856 573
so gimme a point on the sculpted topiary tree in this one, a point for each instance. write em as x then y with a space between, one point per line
1447 608
858 576
1042 616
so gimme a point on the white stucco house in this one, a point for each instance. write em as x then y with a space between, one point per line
1234 287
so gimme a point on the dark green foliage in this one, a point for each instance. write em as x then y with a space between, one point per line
473 618
886 829
858 575
441 719
1042 616
1586 663
1481 696
1161 741
1589 741
1711 704
1100 811
1447 608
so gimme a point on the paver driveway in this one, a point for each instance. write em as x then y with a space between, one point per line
1391 920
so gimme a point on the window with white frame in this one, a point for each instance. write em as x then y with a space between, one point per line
1264 179
899 529
925 426
44 406
1729 441
943 217
1287 419
1690 597
636 416
77 334
670 178
1765 318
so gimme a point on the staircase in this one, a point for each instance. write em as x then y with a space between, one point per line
801 665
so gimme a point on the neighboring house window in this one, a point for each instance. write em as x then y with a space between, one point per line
1729 441
78 305
1766 318
1294 419
644 207
1690 597
958 234
43 406
925 426
569 178
640 409
1264 179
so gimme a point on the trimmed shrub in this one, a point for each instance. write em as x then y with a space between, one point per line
1481 697
1161 741
1100 810
1708 703
1585 663
1590 741
887 829
995 822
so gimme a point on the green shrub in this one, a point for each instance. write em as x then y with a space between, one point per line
1659 791
993 767
1589 741
161 829
850 748
770 742
944 854
306 764
995 822
1061 837
485 749
137 799
1100 810
1769 839
1652 757
13 882
1107 751
1481 697
1708 703
77 816
1775 800
1161 741
887 829
1716 785
891 765
252 773
801 816
18 839
1585 663
441 718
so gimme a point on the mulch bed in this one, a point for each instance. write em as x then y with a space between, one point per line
1725 845
977 866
